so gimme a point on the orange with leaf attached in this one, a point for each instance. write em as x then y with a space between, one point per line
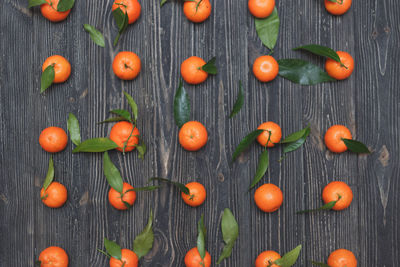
62 68
340 192
124 135
122 201
191 70
131 7
340 70
128 259
197 194
55 195
193 259
334 138
271 135
266 258
49 11
197 10
337 7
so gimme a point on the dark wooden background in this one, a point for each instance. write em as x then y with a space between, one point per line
368 103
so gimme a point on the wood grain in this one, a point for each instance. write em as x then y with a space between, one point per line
368 103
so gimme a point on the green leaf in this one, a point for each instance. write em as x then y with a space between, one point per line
47 78
262 168
327 206
112 174
295 136
32 3
201 237
122 20
239 101
95 145
142 149
143 243
143 189
320 50
50 174
210 67
246 142
302 72
113 119
230 232
97 37
268 29
290 258
356 146
163 2
65 5
320 264
74 130
181 106
133 105
289 147
122 113
180 186
113 249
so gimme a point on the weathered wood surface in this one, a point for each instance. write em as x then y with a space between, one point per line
368 103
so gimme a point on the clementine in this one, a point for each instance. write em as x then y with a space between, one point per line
261 8
340 70
266 258
191 69
193 136
338 191
55 195
265 68
342 258
271 135
123 131
128 259
53 139
333 138
339 7
193 259
131 7
197 10
122 201
196 196
53 256
62 68
49 11
126 65
268 197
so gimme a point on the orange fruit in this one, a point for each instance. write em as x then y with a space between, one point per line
196 196
265 68
62 68
126 65
268 197
53 257
49 11
117 199
191 69
53 139
121 131
197 12
333 138
131 7
266 258
333 190
55 195
340 71
338 8
261 8
342 258
265 139
193 259
193 136
128 259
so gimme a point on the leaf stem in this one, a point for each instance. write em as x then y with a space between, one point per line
103 252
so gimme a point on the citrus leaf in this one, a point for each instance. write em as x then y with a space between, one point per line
295 136
181 106
122 20
320 263
246 142
32 3
143 243
74 130
132 104
201 237
320 50
97 37
180 186
142 149
112 174
302 72
230 232
65 5
290 258
356 146
262 168
289 147
50 174
142 189
327 206
47 78
122 113
163 2
239 101
95 145
210 67
113 119
113 249
268 29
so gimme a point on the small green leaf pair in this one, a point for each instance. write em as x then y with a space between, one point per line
291 143
122 20
305 73
63 5
142 244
